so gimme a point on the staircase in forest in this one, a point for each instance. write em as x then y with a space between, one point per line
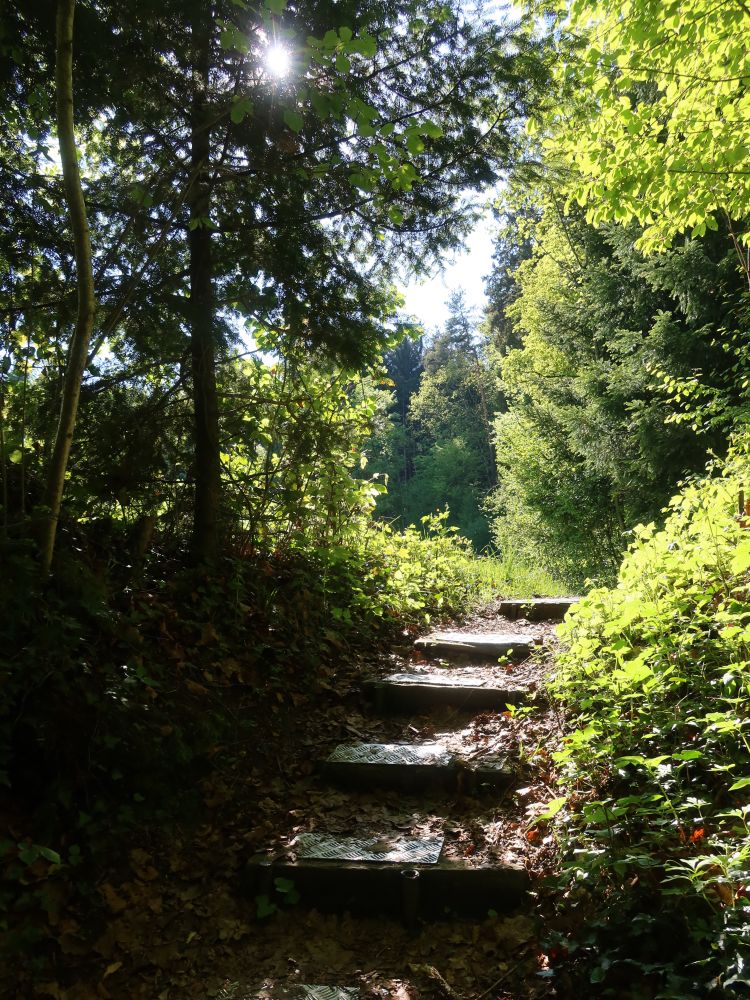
413 875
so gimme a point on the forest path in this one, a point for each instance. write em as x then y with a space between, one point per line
418 871
393 751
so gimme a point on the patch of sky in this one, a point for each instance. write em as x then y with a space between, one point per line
426 299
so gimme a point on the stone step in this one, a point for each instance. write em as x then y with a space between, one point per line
538 609
413 768
477 647
416 692
400 876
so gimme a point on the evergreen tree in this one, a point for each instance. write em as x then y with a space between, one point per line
221 191
442 453
592 442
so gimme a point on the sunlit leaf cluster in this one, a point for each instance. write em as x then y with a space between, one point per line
653 118
656 672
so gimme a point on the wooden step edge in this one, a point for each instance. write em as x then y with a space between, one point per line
456 777
537 609
427 892
391 696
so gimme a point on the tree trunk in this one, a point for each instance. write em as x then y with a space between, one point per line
490 460
79 343
206 516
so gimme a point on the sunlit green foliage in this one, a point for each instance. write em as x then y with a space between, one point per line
652 114
620 386
656 673
435 447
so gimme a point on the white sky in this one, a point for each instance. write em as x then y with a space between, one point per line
467 269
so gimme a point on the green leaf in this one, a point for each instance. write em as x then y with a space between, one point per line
740 783
414 144
264 907
432 130
294 120
364 128
275 6
553 808
366 45
656 761
741 560
320 103
28 853
241 109
362 181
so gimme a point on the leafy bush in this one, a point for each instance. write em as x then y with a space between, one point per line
593 443
117 685
656 766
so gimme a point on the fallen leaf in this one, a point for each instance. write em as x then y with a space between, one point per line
141 864
112 898
52 990
208 635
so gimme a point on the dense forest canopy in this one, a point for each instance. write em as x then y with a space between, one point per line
229 458
617 301
221 195
233 209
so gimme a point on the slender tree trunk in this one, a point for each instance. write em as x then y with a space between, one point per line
79 343
24 395
490 451
206 517
3 459
404 455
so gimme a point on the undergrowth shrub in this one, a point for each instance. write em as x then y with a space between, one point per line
656 673
116 688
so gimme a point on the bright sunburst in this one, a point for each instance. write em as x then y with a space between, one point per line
278 60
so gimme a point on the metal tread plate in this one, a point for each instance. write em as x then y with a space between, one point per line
478 638
323 847
431 754
442 680
327 993
301 991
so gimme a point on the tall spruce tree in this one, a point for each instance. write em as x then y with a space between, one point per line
221 190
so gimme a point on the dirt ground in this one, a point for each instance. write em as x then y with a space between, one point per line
180 923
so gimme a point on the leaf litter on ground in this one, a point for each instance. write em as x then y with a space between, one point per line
177 924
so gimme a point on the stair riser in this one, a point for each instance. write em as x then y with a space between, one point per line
451 779
554 611
421 698
458 652
439 891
